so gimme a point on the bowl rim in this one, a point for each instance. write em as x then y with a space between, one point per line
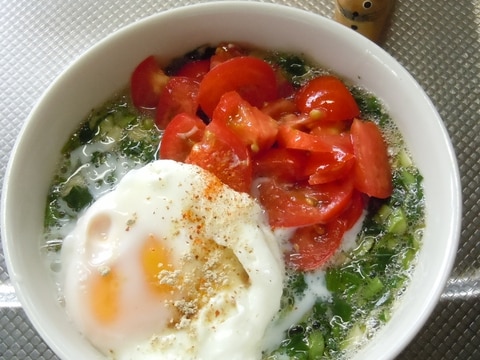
455 198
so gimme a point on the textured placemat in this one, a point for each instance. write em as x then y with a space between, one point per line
438 41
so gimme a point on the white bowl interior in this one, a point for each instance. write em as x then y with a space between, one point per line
106 68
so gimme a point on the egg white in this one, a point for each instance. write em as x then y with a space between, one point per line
215 300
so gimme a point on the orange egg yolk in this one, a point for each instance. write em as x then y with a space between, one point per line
104 295
155 259
106 286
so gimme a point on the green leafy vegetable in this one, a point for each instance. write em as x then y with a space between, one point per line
78 197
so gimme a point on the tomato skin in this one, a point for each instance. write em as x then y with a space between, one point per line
146 83
251 77
180 95
284 164
194 69
372 172
180 135
292 205
223 154
328 95
256 129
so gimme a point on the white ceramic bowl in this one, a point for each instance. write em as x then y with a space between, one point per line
106 67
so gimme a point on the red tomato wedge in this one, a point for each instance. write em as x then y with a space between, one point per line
323 167
180 135
285 88
372 172
296 139
251 77
280 107
330 96
290 205
194 69
353 212
314 164
146 83
331 128
179 96
298 121
284 164
256 129
224 52
314 245
223 154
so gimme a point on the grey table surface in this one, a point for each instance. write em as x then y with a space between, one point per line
438 41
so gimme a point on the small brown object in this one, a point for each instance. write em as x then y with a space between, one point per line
369 18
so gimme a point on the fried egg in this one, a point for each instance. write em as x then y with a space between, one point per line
173 264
